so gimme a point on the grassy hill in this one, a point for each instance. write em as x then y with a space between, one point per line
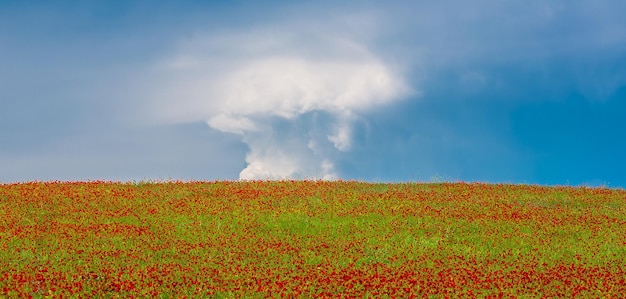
310 239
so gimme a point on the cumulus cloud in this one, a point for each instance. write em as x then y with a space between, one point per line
291 94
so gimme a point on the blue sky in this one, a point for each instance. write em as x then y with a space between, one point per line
491 91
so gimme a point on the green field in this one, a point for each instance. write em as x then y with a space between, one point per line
310 239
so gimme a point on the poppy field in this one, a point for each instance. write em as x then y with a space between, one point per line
310 239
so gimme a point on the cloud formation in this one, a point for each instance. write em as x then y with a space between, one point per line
291 94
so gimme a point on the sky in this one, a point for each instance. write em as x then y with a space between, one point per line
497 91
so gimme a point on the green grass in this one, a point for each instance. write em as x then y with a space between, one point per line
310 239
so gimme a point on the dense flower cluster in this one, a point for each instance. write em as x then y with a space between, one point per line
310 239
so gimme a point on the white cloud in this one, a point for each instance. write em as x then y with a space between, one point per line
230 124
341 138
261 84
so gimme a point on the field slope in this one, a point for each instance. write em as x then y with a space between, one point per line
310 239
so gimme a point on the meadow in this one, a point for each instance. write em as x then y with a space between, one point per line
310 239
